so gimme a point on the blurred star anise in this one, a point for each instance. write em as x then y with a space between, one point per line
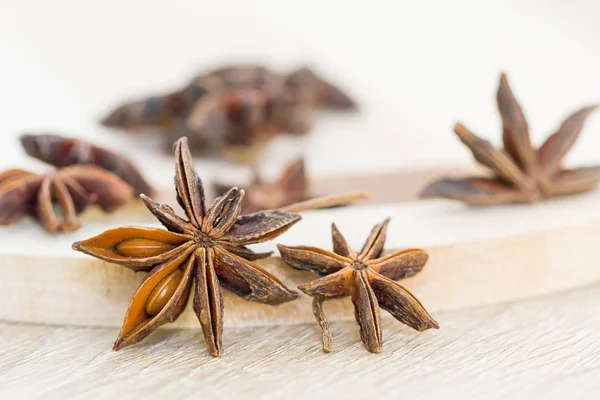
521 174
56 198
64 151
368 277
291 187
233 111
201 253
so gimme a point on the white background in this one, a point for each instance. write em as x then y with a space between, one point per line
416 68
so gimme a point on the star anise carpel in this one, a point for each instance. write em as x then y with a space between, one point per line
368 277
56 198
521 173
198 254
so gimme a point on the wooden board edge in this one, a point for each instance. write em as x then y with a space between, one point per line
89 292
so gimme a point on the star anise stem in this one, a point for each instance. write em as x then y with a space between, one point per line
332 200
317 307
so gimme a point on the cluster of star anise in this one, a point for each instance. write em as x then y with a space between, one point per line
208 250
86 175
233 111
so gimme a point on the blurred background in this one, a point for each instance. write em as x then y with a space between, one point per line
414 69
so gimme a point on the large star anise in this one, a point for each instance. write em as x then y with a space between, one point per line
203 252
368 278
522 174
56 198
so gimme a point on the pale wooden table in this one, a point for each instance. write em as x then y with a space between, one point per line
541 348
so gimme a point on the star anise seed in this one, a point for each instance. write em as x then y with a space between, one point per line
199 254
521 174
367 277
62 151
55 199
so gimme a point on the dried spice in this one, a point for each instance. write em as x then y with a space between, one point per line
63 151
367 277
521 174
290 188
233 111
55 199
203 252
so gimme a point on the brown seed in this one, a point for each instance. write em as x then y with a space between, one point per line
162 292
139 247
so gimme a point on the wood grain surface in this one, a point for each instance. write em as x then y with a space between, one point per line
547 348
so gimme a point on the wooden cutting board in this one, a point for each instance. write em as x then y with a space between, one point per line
478 256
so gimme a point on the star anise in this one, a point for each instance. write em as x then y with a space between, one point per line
521 174
202 252
233 111
368 277
291 187
56 198
63 151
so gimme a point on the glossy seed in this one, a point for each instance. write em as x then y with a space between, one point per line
162 292
139 248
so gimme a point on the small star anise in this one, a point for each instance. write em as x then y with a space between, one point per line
201 253
291 187
56 198
367 277
522 174
64 151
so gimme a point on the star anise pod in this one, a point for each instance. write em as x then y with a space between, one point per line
291 187
366 276
233 111
56 198
521 174
63 151
201 253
